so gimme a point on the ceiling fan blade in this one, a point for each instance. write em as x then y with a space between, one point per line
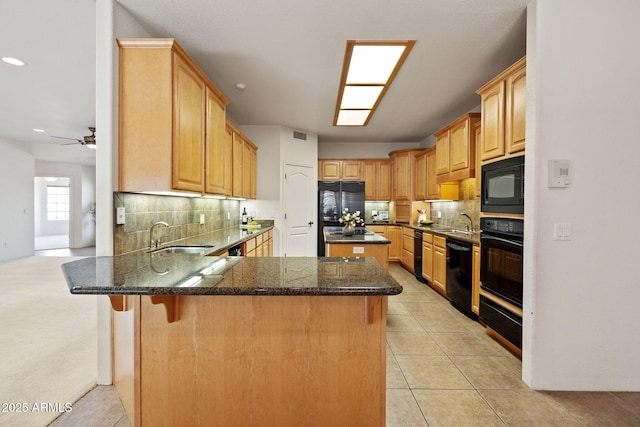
62 137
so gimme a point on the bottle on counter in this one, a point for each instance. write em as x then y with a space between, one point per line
245 217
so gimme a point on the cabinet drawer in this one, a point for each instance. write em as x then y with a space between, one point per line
441 242
407 243
249 246
427 237
407 231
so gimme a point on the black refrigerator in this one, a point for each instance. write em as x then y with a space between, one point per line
333 198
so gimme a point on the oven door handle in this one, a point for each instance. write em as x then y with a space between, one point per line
499 239
458 247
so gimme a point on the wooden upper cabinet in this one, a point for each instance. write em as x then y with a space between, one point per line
503 102
420 176
329 170
433 190
351 170
376 175
163 117
461 153
218 148
442 151
401 172
384 179
492 121
188 128
477 130
516 109
244 160
340 170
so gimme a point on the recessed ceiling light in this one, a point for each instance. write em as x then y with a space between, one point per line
13 61
240 86
38 130
368 70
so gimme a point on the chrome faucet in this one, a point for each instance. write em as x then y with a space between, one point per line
153 244
470 226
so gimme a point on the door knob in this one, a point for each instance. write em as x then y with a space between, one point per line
310 223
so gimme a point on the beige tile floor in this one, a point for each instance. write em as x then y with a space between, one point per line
442 370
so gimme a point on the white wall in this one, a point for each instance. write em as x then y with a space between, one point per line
582 322
361 150
16 216
276 146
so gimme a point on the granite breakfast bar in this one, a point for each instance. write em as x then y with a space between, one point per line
204 340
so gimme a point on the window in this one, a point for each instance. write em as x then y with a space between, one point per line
57 203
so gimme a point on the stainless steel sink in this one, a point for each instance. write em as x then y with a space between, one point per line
201 250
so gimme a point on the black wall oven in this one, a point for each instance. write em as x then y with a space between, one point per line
502 188
501 247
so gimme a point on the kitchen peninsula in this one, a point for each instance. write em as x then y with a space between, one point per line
244 341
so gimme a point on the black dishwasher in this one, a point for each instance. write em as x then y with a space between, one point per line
459 275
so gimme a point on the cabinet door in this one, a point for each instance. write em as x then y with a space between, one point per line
459 150
351 170
440 268
427 261
384 180
477 129
394 234
238 152
516 106
246 170
253 173
433 190
370 179
475 284
442 153
420 176
402 176
188 128
440 264
493 121
218 157
331 170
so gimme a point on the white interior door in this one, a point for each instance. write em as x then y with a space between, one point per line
300 187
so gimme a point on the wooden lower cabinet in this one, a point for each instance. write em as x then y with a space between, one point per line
252 360
427 257
378 251
475 284
439 282
261 245
407 249
394 234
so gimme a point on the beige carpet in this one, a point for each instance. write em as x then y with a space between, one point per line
47 341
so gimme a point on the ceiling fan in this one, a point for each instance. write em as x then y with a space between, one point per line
88 141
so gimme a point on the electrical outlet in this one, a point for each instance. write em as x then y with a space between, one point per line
228 215
201 219
439 214
120 217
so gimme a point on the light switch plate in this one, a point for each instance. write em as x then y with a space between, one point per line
201 218
562 231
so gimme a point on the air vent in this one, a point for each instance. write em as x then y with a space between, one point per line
299 135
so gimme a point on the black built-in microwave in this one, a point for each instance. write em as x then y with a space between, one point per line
503 186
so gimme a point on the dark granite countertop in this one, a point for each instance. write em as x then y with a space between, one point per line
222 239
143 273
363 236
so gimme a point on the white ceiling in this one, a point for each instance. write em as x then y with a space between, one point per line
56 90
288 53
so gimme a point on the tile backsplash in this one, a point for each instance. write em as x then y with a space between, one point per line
181 213
451 211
